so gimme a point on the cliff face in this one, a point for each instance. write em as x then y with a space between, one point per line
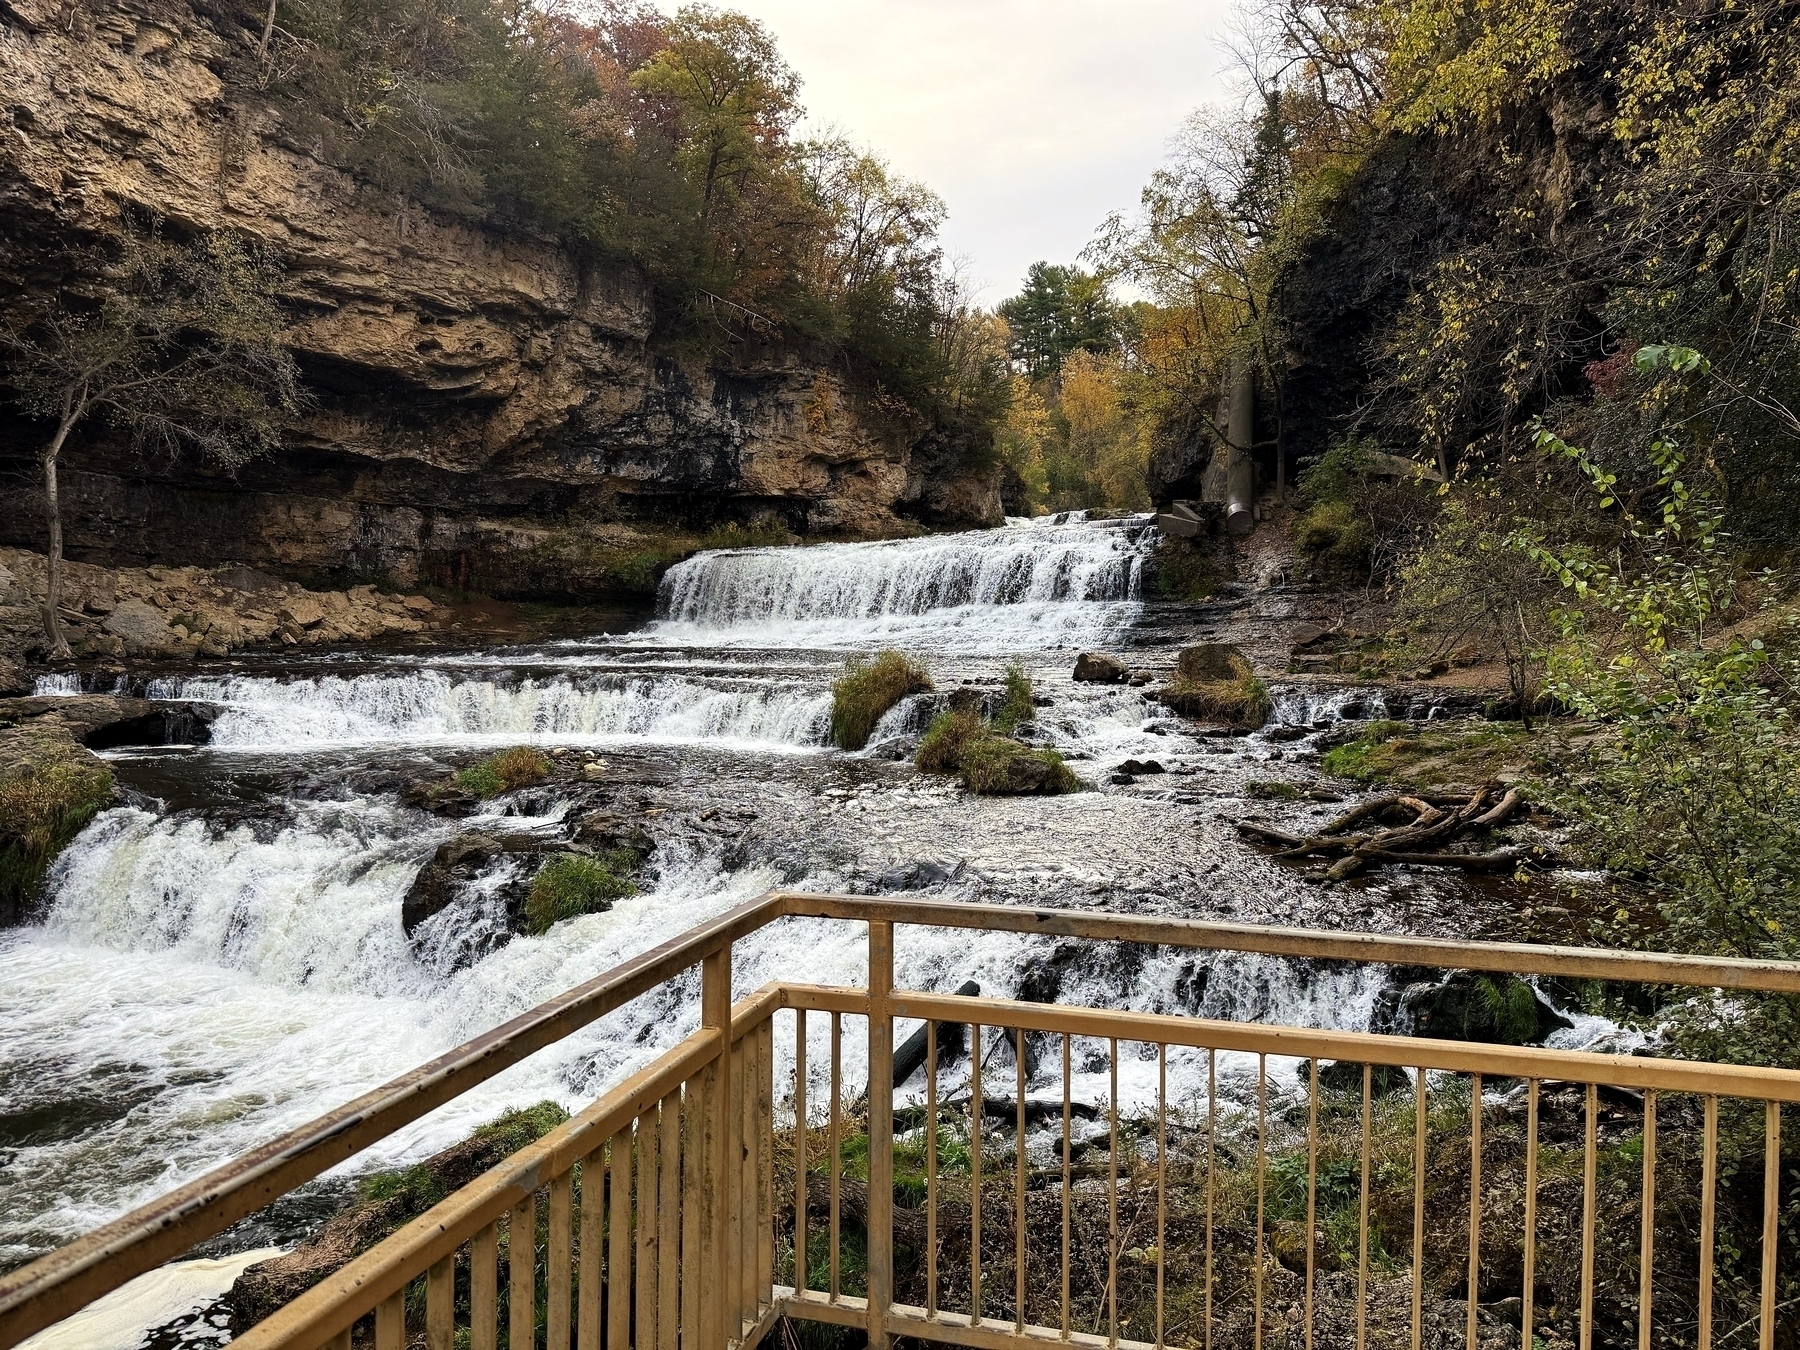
483 395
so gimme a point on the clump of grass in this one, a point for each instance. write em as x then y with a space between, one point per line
1240 702
999 766
941 749
44 802
518 767
1019 706
867 690
572 884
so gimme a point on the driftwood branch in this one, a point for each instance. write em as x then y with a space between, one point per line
1437 821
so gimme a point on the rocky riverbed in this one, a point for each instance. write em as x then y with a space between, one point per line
299 883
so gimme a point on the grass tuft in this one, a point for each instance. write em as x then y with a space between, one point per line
572 884
867 691
1019 706
510 769
941 749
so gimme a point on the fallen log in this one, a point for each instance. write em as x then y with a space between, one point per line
1373 807
1508 804
1269 834
1498 860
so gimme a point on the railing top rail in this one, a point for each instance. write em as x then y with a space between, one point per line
1515 958
71 1277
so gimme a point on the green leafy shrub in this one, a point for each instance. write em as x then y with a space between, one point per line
572 884
510 769
867 691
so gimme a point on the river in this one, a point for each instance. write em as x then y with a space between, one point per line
222 958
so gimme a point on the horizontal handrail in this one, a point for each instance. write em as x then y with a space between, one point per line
1361 1047
65 1280
1515 958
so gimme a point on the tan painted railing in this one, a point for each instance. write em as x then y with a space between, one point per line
699 1201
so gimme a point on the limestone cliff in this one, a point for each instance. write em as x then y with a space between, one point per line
484 395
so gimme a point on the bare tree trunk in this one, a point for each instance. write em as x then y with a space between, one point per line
59 645
262 50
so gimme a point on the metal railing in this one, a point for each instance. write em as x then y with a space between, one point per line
693 1205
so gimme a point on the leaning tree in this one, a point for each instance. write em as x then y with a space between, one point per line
171 344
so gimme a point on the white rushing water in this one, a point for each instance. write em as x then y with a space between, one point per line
1035 584
433 706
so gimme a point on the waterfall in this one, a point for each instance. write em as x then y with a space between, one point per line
258 712
1037 574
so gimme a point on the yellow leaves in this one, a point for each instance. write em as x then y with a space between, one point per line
1461 61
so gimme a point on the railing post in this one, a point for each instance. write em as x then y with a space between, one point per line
715 1011
881 1131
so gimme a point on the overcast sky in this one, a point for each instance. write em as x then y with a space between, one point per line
1033 119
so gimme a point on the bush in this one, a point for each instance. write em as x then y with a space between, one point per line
510 769
45 799
572 884
867 691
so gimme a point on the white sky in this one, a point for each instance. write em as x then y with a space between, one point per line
1032 119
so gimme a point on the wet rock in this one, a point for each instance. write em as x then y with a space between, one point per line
1472 1006
142 630
608 831
918 876
1210 662
1142 766
1121 779
1099 668
455 863
174 724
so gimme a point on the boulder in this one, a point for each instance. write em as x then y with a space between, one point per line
456 862
302 610
1210 662
1099 668
1468 1005
1142 766
142 630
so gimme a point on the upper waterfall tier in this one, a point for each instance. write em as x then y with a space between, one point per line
1056 559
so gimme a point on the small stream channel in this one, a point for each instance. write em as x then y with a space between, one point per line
223 958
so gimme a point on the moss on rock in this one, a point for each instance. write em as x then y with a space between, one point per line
50 787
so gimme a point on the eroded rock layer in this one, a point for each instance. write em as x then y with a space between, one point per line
489 405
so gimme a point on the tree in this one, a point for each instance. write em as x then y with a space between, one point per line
1060 310
183 350
736 96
